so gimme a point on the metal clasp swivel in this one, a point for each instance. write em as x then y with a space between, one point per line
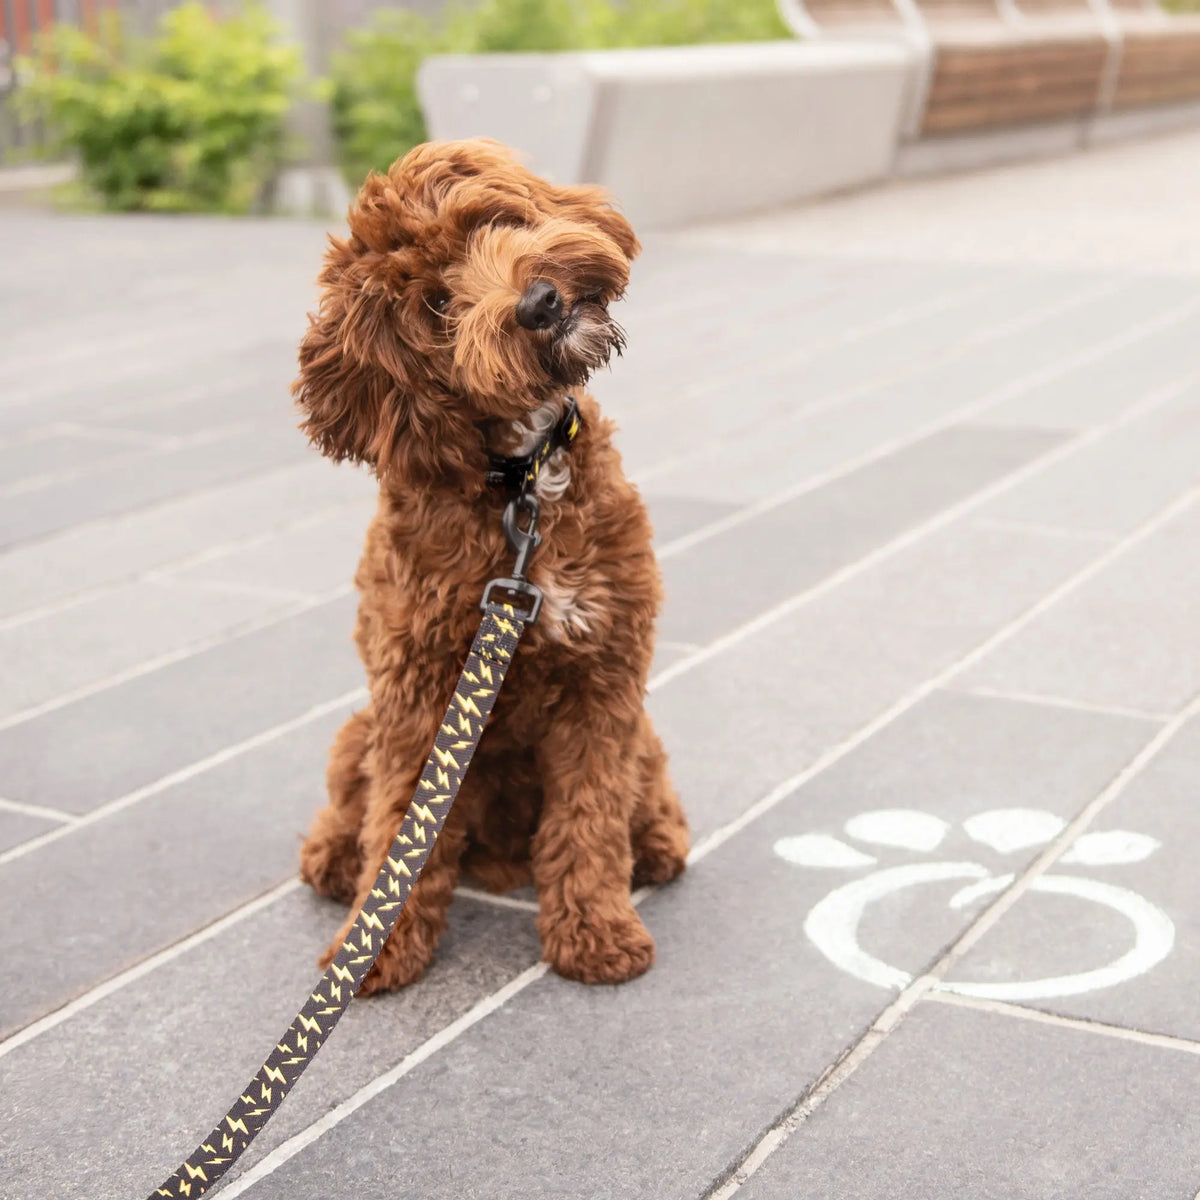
523 543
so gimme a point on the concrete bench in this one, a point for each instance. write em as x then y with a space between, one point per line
686 132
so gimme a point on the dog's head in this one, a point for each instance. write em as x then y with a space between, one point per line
469 289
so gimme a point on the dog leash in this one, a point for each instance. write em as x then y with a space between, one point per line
474 695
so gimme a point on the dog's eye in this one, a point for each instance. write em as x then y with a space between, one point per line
439 301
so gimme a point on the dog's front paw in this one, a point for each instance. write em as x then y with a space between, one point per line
601 947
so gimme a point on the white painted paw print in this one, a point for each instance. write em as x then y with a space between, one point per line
832 925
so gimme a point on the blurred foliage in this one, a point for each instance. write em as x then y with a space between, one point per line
190 119
372 86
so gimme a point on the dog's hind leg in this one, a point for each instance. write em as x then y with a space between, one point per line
658 829
396 757
330 860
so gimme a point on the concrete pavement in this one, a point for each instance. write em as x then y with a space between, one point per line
925 472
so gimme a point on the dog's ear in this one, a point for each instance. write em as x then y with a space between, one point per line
594 206
343 388
362 389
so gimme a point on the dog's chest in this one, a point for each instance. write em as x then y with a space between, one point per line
568 613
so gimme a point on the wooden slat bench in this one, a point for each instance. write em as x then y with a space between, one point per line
1159 58
991 65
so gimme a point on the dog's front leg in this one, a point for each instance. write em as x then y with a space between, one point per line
396 759
582 860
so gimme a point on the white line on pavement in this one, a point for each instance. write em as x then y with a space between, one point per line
142 969
1110 710
278 616
199 767
36 810
1160 396
496 898
918 532
974 408
922 987
887 1020
1162 1041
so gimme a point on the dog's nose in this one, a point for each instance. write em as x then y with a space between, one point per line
540 307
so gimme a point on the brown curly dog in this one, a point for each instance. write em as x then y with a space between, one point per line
418 363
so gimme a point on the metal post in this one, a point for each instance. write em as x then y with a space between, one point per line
312 185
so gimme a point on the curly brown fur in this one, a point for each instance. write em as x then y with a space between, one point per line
415 364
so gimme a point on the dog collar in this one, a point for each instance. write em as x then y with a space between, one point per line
518 473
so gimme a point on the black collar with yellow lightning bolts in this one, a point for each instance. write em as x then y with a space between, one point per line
519 473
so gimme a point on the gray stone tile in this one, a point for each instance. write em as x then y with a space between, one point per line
27 458
1129 636
103 746
51 570
87 643
960 1103
17 827
164 475
1049 935
803 684
108 1083
1098 392
1115 483
949 381
670 1076
675 516
792 546
311 559
153 873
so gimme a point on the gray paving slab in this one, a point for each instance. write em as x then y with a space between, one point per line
1115 483
675 516
131 1084
1100 391
810 409
766 559
959 1103
153 873
803 684
95 555
162 398
1055 331
87 643
1142 846
672 1075
311 559
1129 637
17 827
106 745
159 476
29 458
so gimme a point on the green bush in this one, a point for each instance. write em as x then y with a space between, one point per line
192 118
372 87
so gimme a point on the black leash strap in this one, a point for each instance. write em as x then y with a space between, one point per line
492 651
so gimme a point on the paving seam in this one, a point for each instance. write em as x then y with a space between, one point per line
183 774
148 666
679 544
893 1015
964 412
211 553
1058 531
36 810
836 400
1108 710
895 1012
1128 1033
1156 397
